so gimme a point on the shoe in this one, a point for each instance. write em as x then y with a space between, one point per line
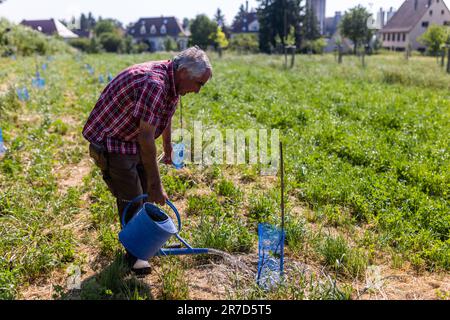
138 267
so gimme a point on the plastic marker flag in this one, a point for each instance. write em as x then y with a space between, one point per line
90 69
271 246
271 256
101 79
110 77
38 83
22 94
44 66
2 145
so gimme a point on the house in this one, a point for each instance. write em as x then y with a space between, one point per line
411 21
246 24
50 27
155 32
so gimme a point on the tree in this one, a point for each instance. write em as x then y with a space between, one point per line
83 22
107 26
276 17
186 23
242 13
170 44
245 42
201 30
111 42
435 38
219 18
354 26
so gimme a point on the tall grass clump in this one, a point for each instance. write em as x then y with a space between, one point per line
338 256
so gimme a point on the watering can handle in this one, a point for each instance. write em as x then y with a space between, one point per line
144 196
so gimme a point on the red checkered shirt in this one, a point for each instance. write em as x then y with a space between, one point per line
144 91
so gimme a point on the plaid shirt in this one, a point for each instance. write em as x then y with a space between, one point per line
144 91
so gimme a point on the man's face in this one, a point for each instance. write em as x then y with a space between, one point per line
192 85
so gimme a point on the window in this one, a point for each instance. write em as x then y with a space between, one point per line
446 23
153 29
442 12
143 30
384 36
163 29
404 37
425 24
431 12
389 36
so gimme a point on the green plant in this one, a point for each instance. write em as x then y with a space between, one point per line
173 280
203 205
341 258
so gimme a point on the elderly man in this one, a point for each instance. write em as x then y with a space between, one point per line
131 113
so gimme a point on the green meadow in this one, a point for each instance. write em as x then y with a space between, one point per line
367 173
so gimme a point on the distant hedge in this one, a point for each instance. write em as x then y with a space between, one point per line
20 40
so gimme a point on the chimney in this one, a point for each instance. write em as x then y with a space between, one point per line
246 6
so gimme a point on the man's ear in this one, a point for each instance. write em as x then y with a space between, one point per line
183 74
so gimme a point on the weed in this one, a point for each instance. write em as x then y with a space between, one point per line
341 258
113 283
203 205
173 280
262 208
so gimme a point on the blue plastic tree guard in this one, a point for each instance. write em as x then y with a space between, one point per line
22 94
271 256
178 155
38 82
2 145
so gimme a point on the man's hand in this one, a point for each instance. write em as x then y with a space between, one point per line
167 157
157 195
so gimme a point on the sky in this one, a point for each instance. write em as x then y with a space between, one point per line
131 10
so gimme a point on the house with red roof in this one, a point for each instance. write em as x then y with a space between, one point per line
50 27
411 21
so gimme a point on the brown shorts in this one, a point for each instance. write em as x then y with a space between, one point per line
123 174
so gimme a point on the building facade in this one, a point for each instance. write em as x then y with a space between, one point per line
411 21
319 7
156 31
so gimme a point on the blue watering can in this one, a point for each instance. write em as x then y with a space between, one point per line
149 230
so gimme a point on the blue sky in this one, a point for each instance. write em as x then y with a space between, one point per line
131 10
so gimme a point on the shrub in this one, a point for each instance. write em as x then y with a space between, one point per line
21 40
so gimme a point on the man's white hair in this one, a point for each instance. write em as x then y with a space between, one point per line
194 60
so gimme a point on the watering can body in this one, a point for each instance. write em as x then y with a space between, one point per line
145 234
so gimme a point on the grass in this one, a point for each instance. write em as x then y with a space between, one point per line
341 258
365 148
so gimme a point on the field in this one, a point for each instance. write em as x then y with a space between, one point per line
368 182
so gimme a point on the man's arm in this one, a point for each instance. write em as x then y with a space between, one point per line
148 151
167 143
